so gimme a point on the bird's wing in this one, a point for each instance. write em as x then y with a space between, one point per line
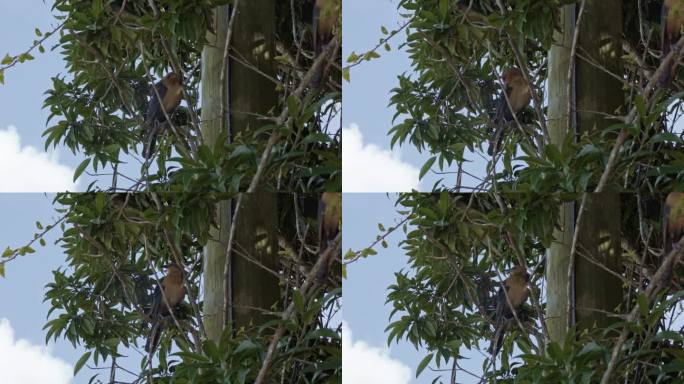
155 310
153 337
503 113
502 308
502 311
154 109
501 117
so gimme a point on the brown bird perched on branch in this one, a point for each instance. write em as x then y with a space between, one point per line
325 16
324 21
518 94
672 19
329 219
509 301
673 221
170 90
174 293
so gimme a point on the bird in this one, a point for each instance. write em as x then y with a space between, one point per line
519 95
673 222
672 19
170 90
174 291
324 21
516 292
329 219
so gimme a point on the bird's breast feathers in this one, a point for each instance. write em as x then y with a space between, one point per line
173 99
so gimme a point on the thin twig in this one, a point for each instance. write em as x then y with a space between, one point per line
224 66
306 289
666 63
654 286
572 66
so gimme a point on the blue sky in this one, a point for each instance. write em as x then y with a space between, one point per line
22 118
365 289
369 166
22 292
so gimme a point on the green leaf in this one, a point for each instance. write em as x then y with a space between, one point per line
293 105
26 250
426 166
423 363
443 7
81 362
81 167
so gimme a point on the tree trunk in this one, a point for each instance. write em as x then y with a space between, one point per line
249 93
599 239
254 259
212 126
594 92
560 125
597 91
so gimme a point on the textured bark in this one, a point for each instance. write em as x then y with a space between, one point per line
593 288
597 91
252 94
212 126
559 254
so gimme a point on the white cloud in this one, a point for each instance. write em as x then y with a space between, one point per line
23 363
29 170
362 363
368 168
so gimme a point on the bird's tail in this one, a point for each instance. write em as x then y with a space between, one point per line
496 140
150 144
154 336
497 341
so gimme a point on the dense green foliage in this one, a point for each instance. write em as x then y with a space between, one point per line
445 103
116 246
460 246
113 55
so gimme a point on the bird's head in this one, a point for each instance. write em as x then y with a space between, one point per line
174 78
174 269
520 271
511 74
